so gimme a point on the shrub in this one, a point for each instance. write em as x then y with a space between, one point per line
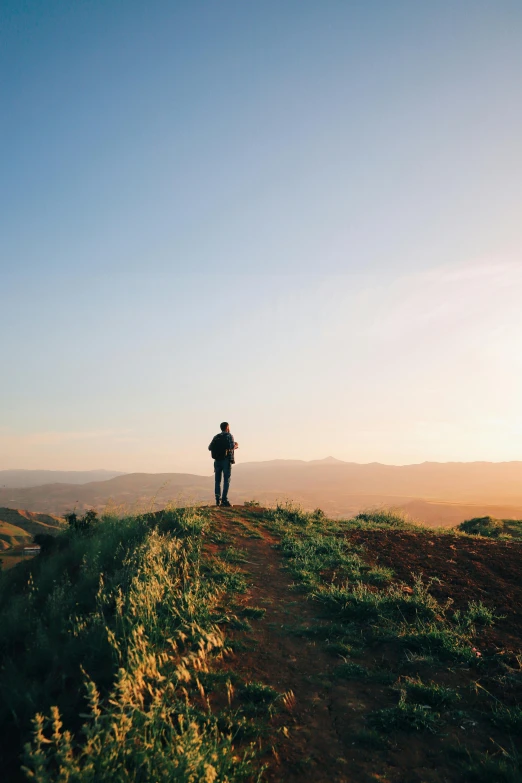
83 524
482 526
477 613
384 518
46 542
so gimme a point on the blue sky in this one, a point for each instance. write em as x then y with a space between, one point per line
303 217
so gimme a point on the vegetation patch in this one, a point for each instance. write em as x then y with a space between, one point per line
130 607
509 719
258 697
430 694
140 649
253 612
406 716
492 528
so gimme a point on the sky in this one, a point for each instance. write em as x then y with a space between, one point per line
301 217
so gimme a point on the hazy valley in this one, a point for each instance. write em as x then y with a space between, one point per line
438 494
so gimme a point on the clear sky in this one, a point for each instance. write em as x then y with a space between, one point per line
303 217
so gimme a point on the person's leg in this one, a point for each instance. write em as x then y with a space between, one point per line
218 469
227 472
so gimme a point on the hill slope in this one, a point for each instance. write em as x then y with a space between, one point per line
366 672
18 527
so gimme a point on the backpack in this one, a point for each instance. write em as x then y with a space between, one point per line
219 446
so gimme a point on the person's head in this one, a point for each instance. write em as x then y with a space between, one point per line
224 426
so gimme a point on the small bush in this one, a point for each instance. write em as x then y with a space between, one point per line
482 526
46 542
83 524
477 613
383 518
258 698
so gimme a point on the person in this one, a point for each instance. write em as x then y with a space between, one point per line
222 447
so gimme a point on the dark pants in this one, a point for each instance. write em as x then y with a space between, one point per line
222 466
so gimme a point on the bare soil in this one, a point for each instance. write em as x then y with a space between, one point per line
316 738
469 569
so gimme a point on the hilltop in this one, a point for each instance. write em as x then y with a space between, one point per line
439 494
252 644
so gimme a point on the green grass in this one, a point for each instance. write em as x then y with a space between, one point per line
253 612
233 554
355 671
137 611
258 698
351 671
430 694
406 716
131 609
505 766
492 528
226 574
383 518
363 607
360 602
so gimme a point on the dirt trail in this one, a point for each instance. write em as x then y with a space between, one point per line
321 724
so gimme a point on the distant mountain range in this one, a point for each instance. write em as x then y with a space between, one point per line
436 493
36 478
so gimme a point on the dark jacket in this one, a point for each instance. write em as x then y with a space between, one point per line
230 445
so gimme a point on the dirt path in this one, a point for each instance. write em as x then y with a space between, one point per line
322 722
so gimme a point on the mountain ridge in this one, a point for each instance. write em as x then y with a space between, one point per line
15 478
433 491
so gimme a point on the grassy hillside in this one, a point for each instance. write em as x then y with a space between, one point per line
18 527
251 644
31 522
11 535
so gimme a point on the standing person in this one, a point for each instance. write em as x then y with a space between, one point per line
222 448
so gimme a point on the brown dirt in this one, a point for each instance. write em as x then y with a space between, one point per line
321 744
469 569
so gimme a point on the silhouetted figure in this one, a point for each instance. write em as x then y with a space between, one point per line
222 448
